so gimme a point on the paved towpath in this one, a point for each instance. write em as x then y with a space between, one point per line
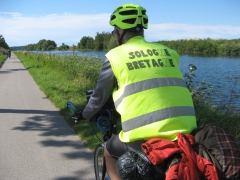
35 141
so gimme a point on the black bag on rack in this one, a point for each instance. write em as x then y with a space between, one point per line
135 165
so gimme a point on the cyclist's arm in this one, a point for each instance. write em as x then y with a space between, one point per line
104 88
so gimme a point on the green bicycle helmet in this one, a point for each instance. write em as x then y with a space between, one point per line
129 16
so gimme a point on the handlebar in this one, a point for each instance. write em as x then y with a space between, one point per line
106 118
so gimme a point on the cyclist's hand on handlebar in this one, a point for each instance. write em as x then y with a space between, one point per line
79 115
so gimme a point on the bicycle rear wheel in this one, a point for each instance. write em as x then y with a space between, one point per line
99 163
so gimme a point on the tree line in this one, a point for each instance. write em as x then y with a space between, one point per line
3 48
205 46
42 45
102 41
105 41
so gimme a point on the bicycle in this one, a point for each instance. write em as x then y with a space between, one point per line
106 120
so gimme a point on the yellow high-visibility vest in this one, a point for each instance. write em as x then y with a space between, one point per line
151 97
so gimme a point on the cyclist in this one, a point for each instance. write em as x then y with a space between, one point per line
146 84
9 53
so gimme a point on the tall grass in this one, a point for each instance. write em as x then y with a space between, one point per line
2 59
3 56
66 78
226 115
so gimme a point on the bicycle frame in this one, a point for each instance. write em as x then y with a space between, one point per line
100 173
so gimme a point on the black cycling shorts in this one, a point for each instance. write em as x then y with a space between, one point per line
117 148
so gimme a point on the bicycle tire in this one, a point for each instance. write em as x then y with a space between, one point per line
99 163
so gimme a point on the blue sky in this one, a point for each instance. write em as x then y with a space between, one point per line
25 22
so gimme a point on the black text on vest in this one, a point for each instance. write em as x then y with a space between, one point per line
149 63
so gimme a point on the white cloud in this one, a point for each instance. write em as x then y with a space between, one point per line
10 13
69 28
63 28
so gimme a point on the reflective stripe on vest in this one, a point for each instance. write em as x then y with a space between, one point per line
157 116
149 84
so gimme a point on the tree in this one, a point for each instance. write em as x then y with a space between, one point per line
106 40
45 45
3 44
51 45
102 41
40 45
98 44
63 47
30 47
112 43
86 42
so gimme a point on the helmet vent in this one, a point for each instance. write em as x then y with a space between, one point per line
145 20
112 17
131 7
130 12
130 21
118 8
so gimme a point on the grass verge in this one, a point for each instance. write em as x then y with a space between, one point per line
3 56
2 59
